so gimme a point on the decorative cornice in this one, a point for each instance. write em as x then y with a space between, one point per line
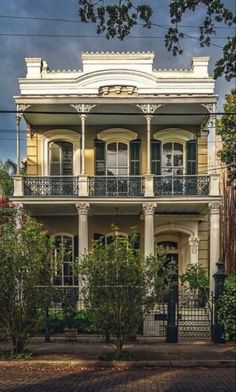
20 110
117 134
82 208
149 208
118 90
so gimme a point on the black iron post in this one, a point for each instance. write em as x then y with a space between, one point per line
47 332
172 327
219 277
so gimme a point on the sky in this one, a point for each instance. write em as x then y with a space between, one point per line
65 52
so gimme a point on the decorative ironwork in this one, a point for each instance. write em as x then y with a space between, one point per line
51 186
181 185
195 313
113 186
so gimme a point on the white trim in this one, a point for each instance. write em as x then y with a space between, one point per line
67 136
117 135
174 227
72 237
173 135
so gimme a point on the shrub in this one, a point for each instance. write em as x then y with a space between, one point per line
227 307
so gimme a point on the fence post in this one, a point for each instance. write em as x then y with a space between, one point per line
47 332
172 327
219 277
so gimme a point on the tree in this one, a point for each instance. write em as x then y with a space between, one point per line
227 130
7 170
26 261
119 286
117 20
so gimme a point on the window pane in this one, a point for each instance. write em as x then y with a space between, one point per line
167 154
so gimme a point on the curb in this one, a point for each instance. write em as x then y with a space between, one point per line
91 364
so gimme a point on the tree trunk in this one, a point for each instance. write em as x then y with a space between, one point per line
18 344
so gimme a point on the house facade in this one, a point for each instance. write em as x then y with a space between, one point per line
122 143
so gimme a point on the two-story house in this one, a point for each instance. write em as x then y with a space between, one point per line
122 143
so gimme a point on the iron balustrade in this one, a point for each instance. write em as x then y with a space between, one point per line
188 185
51 186
116 186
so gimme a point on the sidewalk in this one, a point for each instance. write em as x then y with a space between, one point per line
147 352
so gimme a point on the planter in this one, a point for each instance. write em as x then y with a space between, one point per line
70 334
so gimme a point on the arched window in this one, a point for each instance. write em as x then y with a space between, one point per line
172 159
117 159
61 158
64 275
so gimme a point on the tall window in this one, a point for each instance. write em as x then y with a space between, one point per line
117 159
61 158
64 276
172 159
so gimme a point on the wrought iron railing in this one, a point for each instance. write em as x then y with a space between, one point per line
51 186
116 186
181 185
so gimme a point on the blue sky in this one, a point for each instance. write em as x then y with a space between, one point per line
64 53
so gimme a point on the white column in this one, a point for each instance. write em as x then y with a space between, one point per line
18 118
148 119
83 210
149 211
83 118
193 243
214 210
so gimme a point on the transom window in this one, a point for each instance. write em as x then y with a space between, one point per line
61 158
64 275
117 159
172 159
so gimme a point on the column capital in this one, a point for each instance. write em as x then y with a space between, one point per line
20 111
148 108
83 108
149 208
214 207
82 208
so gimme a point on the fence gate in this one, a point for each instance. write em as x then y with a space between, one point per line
154 324
195 314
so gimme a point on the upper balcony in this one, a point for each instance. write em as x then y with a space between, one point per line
182 186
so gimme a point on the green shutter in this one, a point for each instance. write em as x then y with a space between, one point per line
76 246
99 147
191 157
135 157
156 157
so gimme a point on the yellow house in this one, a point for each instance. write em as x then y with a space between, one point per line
120 142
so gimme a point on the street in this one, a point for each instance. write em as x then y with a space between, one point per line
61 378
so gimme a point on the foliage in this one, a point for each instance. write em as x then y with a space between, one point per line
7 169
226 127
9 355
195 276
83 321
117 20
26 262
118 286
227 307
69 306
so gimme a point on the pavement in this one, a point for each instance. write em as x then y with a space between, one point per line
145 352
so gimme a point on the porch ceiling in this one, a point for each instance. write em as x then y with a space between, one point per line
123 114
114 207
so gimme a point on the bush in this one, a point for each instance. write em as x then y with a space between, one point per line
227 308
83 321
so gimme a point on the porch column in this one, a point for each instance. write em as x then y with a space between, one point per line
83 210
214 210
193 243
149 211
83 119
148 119
82 109
20 109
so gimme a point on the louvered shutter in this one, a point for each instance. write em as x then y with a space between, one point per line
99 147
156 157
191 157
135 157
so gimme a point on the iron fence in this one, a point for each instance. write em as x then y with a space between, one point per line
181 185
116 186
51 186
